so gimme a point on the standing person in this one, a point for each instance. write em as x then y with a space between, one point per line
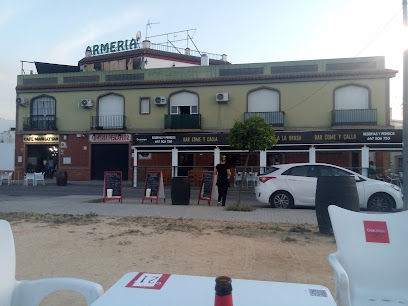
372 171
224 173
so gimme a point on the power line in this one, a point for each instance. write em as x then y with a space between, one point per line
369 43
379 32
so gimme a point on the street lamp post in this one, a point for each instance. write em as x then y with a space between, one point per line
405 112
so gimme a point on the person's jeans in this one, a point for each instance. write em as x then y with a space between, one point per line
222 194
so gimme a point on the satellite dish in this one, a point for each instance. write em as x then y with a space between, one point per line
138 35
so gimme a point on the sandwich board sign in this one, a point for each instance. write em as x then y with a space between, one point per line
207 188
112 186
153 187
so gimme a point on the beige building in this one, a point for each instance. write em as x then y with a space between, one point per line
148 108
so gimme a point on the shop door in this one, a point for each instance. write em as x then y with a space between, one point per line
109 158
355 162
42 158
185 162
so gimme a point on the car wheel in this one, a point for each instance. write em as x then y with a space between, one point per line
380 202
281 199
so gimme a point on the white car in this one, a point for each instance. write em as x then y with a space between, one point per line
288 185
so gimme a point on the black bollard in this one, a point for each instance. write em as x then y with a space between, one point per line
334 190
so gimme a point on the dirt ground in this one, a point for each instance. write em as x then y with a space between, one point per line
102 249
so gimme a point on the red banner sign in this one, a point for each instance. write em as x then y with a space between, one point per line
376 231
110 137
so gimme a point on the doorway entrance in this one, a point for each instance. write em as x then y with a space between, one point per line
186 163
112 157
42 158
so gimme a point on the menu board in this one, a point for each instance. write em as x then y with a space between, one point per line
207 182
154 187
206 188
112 187
152 183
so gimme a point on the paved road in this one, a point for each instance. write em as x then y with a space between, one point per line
86 197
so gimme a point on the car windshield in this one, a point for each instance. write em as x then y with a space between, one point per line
269 170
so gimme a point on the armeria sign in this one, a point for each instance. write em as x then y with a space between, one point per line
115 46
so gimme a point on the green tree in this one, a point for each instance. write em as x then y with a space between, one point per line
251 135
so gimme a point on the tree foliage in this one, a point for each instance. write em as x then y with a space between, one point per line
252 134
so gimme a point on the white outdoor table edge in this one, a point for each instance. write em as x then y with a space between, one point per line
116 295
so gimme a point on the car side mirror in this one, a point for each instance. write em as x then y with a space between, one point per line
358 178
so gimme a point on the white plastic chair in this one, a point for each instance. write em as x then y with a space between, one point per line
29 177
39 176
6 176
32 292
251 178
237 178
370 263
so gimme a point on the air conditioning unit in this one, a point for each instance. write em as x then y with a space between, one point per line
160 100
87 103
22 101
221 97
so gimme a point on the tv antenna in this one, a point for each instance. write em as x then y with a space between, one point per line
138 36
175 37
149 25
22 66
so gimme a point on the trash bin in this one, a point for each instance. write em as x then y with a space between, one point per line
180 190
62 178
334 190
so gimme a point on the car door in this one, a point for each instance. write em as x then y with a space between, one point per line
334 171
301 181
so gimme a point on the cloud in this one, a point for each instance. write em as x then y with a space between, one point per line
6 15
10 9
90 32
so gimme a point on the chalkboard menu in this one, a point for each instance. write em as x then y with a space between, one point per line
207 184
206 188
152 183
154 187
112 183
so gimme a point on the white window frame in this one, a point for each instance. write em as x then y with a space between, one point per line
144 108
351 97
264 100
111 105
174 110
182 99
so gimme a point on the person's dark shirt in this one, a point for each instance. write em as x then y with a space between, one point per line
222 174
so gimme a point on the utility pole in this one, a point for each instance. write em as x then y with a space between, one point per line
405 111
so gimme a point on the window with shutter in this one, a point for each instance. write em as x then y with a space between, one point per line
111 111
144 106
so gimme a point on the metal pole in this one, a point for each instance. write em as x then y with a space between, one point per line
405 112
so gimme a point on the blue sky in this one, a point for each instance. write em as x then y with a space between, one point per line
247 31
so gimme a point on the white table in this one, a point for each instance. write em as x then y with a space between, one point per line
148 289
